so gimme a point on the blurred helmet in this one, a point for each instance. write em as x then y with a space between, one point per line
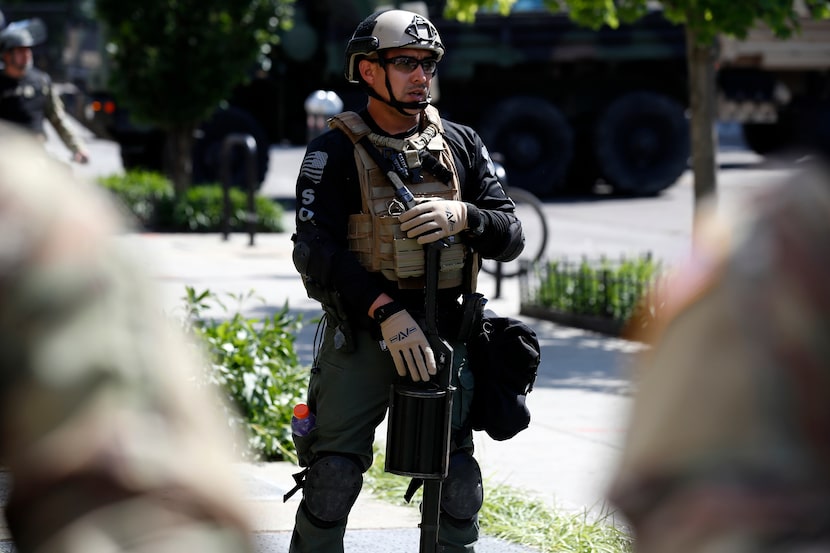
25 33
390 29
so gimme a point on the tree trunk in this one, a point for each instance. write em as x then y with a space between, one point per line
701 65
179 158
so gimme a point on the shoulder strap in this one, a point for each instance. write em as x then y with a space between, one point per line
352 124
432 115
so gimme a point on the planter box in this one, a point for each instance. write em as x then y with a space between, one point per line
602 325
610 285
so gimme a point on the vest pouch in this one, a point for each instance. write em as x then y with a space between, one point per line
386 229
409 257
418 432
451 266
361 239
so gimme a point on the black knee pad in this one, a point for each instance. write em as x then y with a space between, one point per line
463 492
331 487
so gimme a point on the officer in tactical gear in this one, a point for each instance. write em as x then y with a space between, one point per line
27 95
372 192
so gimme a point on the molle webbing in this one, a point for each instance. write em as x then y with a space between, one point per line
375 235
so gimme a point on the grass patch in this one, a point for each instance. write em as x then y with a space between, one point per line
510 515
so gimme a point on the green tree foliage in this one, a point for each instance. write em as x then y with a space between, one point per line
708 18
704 20
174 61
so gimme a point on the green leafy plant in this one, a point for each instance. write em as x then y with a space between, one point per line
202 208
142 193
254 363
149 198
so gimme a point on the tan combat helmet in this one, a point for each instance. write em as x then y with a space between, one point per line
390 29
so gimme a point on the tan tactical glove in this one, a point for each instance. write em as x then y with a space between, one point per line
408 346
434 220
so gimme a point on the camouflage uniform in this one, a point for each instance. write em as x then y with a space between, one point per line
729 444
109 445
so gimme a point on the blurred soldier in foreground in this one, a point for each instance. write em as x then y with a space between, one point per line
27 95
109 444
729 444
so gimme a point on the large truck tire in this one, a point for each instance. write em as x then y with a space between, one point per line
207 148
535 140
642 143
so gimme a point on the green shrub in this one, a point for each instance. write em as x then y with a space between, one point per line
141 193
149 197
604 288
254 363
202 208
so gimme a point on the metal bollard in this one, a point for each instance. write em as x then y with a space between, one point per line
228 144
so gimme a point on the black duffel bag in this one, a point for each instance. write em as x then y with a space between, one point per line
504 356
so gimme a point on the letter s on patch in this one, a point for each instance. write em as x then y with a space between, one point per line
305 214
308 196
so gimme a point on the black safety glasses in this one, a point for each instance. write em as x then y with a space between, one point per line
407 64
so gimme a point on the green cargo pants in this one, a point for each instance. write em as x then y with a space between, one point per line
349 393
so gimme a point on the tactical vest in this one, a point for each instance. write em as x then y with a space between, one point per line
375 235
24 101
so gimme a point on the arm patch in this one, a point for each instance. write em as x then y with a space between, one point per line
313 165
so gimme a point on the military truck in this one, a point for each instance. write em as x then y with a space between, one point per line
568 107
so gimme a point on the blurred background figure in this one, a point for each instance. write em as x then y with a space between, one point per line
728 447
27 96
109 444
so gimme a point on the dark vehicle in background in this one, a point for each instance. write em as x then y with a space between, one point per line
566 107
